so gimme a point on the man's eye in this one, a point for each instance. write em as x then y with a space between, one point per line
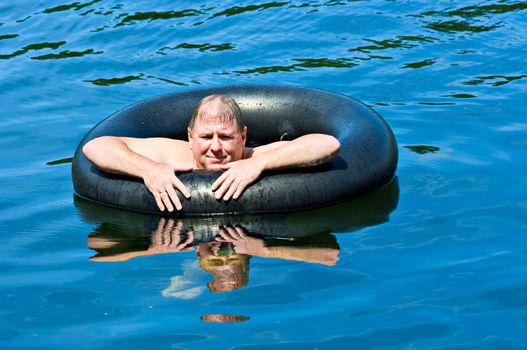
206 137
226 137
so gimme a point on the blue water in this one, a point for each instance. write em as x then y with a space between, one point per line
441 266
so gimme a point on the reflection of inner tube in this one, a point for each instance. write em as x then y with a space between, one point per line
134 229
367 160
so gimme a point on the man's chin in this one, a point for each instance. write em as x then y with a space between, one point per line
215 165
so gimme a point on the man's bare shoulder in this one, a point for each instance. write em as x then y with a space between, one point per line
161 149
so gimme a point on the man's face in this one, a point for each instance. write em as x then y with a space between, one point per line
215 142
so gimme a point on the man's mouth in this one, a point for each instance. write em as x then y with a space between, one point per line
217 159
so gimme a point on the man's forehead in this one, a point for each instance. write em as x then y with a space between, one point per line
214 122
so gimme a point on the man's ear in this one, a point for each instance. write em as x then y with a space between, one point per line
244 135
189 135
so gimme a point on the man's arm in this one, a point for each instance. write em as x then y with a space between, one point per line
305 151
255 246
142 158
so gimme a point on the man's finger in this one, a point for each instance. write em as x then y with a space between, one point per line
159 202
224 186
166 232
233 233
157 238
166 201
239 190
179 225
223 233
177 202
226 166
169 224
232 189
181 187
161 225
219 181
174 198
175 238
240 231
163 239
190 235
190 238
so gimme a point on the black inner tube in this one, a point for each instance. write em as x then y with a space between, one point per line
367 160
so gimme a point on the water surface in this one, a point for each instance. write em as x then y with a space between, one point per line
444 267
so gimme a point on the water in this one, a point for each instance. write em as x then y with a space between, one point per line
442 267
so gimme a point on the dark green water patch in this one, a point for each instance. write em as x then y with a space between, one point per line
461 96
153 16
502 79
200 47
33 47
8 36
45 45
168 81
464 52
337 2
303 63
103 12
420 64
249 8
269 69
23 19
422 149
373 57
398 42
305 4
480 10
436 103
87 12
114 81
73 6
60 161
459 26
66 54
324 62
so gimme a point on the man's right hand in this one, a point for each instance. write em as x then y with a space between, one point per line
161 180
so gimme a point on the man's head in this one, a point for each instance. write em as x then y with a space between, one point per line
216 133
229 269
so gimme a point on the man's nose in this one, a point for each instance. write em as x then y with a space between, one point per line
216 144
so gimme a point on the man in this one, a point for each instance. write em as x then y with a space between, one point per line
216 141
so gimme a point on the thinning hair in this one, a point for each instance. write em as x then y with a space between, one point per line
219 108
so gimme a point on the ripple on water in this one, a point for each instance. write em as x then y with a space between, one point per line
494 80
273 294
160 341
385 337
33 47
76 6
127 19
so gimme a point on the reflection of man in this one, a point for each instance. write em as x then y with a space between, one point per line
230 270
216 141
226 258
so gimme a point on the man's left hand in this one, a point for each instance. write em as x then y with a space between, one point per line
237 177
